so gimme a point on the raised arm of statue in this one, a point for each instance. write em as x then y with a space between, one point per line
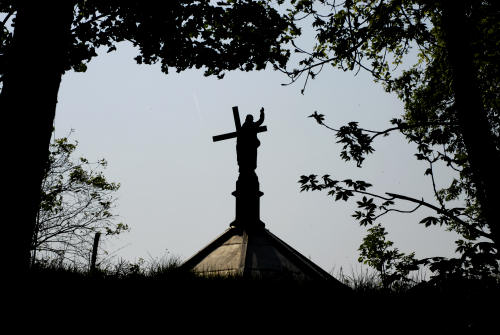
261 118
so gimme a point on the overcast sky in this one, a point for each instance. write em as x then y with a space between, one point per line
155 131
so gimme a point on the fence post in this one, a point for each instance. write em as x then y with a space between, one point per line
94 251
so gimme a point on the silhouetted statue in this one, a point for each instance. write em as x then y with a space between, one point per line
247 186
246 139
247 143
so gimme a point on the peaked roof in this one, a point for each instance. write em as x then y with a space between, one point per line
253 252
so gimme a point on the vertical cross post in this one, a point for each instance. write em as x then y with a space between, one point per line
236 116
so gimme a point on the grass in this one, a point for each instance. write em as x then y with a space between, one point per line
159 288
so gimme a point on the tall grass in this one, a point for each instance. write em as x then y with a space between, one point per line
365 279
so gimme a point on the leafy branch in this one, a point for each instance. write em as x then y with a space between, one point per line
352 33
76 201
369 210
357 142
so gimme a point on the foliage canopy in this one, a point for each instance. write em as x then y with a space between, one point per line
442 60
181 34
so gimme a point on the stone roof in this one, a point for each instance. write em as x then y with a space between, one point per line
253 252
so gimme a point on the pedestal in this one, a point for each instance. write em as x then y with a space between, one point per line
247 201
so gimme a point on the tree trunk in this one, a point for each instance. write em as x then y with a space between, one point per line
36 62
476 131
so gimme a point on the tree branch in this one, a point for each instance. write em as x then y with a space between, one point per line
387 210
4 22
98 17
440 211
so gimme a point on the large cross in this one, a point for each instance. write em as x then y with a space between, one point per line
237 124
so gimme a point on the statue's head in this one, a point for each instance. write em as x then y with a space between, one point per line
249 119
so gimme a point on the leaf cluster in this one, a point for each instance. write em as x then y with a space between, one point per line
392 265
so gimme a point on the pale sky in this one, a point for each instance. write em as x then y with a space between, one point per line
155 131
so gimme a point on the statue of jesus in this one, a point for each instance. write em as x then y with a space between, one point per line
247 143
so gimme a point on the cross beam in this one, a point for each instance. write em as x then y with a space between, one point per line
237 125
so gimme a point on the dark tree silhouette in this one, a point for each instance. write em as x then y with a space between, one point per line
52 37
451 105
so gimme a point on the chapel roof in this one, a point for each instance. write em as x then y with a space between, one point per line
256 253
